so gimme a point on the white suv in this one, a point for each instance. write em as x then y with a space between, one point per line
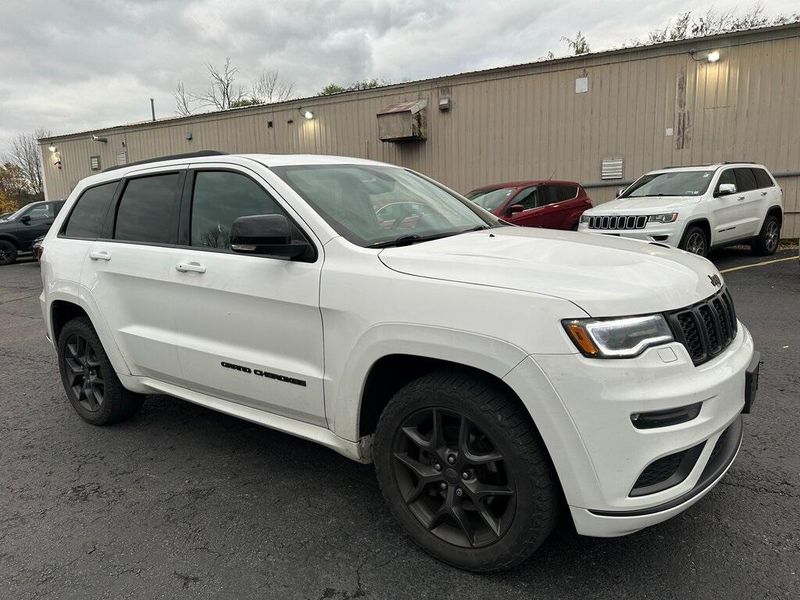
696 208
497 376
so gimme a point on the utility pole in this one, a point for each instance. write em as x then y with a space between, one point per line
153 108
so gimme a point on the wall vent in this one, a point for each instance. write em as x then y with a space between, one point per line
612 168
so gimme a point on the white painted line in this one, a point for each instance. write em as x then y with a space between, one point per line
761 264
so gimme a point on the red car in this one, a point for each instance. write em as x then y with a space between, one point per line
552 204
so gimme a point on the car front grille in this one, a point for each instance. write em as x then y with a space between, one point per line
706 328
618 222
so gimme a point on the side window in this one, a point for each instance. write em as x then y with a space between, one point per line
527 198
727 177
221 197
745 180
763 180
89 214
547 194
148 210
41 211
566 192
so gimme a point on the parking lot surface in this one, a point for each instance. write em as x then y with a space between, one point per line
182 502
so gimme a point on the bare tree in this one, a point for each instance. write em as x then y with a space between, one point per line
578 45
221 92
183 100
269 87
25 154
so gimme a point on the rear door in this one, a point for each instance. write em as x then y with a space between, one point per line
557 205
128 272
250 326
750 199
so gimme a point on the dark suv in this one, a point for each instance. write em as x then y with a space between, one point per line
19 230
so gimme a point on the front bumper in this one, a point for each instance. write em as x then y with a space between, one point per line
600 455
666 233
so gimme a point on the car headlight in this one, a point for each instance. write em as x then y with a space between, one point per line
665 218
584 218
617 338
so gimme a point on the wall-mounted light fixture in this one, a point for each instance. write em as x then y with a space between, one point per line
307 114
97 138
712 56
52 148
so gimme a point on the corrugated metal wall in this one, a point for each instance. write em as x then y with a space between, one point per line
652 107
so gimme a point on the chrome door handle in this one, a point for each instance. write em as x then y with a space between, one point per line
763 193
740 198
192 266
100 255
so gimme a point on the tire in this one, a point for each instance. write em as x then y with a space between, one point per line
695 241
767 241
431 506
8 253
80 356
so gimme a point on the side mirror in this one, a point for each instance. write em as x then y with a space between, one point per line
266 235
619 192
25 219
514 209
726 189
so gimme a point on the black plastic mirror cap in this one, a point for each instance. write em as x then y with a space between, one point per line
261 230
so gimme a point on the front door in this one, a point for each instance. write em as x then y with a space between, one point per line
728 210
250 326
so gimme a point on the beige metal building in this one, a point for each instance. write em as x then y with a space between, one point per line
601 119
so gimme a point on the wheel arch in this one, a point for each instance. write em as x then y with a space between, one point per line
72 301
776 211
7 237
704 224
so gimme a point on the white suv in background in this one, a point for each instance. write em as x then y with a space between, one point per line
696 208
610 384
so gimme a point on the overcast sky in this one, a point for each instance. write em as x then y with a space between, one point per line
82 64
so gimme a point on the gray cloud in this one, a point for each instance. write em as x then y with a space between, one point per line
82 64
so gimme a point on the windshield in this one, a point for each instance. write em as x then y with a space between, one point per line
38 209
672 183
375 205
491 200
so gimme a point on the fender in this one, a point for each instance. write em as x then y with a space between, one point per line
344 390
75 293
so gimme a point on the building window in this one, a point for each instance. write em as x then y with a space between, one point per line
94 163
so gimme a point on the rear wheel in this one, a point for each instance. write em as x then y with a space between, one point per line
92 385
767 241
8 253
465 473
695 241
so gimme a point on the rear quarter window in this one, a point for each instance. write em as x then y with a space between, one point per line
89 215
763 180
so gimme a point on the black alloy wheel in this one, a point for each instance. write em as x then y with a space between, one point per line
453 478
84 377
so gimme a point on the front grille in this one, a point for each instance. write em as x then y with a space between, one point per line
618 222
706 328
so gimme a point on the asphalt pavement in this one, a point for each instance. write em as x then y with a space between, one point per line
183 502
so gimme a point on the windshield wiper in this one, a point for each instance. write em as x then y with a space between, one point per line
413 238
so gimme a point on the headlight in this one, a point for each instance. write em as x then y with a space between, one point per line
617 338
584 218
666 218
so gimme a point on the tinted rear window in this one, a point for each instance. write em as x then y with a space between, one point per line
762 178
89 214
148 210
566 192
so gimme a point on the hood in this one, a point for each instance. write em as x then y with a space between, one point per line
646 205
604 275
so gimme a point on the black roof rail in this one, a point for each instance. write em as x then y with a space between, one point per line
739 162
198 154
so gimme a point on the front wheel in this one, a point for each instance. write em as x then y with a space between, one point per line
465 472
89 379
695 241
767 241
8 253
